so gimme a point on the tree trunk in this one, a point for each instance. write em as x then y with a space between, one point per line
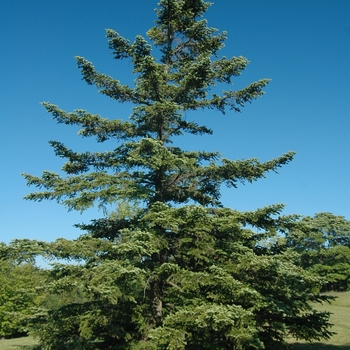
157 301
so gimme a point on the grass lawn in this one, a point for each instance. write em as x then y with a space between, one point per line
25 343
340 309
340 318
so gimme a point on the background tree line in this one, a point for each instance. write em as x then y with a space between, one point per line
323 242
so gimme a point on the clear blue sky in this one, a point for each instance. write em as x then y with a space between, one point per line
303 46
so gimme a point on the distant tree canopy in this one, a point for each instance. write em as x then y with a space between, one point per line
169 267
324 244
18 296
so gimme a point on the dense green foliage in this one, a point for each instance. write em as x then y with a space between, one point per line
339 309
169 268
17 295
324 244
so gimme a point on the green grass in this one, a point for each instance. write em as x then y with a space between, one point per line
25 343
340 318
340 309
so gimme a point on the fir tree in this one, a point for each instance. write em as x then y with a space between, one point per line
170 268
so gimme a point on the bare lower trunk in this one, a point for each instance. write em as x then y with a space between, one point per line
157 301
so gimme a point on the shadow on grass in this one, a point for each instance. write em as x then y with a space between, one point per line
316 346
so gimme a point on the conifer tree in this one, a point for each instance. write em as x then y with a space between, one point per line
170 267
